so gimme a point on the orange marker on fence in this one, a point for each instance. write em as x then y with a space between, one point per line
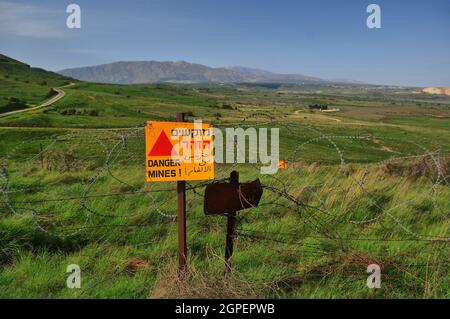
282 164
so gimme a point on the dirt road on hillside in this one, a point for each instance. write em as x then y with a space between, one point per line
60 94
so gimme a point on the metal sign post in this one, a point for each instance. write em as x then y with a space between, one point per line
231 221
172 155
181 191
228 198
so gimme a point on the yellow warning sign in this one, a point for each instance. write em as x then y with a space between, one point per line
177 151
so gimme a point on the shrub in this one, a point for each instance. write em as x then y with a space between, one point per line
69 111
51 93
204 284
60 160
13 99
16 103
318 106
421 167
74 111
91 112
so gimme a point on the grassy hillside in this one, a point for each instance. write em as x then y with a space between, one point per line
22 86
367 182
84 200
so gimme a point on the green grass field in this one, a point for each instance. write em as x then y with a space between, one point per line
22 86
366 184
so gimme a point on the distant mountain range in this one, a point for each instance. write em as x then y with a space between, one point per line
183 72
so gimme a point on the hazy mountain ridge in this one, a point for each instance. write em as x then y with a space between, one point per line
132 72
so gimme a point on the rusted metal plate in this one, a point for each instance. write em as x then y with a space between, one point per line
223 198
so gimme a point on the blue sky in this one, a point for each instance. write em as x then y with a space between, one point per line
328 39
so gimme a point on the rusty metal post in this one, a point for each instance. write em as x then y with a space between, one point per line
182 250
231 221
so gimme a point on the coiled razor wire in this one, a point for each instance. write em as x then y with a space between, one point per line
115 144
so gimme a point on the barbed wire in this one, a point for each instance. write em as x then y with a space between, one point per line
122 142
309 200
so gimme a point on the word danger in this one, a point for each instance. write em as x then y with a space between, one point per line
158 168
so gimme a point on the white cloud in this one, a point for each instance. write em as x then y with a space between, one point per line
26 20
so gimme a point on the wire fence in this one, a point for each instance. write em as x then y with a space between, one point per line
89 175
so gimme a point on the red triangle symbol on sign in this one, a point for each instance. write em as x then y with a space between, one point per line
162 147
